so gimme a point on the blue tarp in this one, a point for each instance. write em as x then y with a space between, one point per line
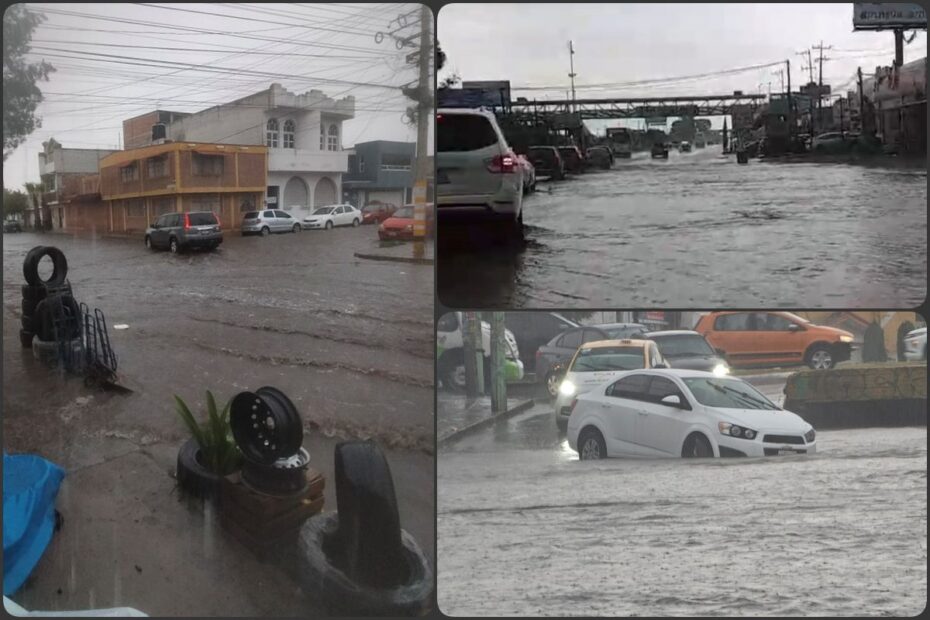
30 485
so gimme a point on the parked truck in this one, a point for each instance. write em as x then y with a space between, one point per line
620 141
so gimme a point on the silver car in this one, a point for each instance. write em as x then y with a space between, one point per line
269 221
478 176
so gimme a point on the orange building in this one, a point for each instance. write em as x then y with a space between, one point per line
137 185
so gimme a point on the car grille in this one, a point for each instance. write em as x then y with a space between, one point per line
783 439
566 410
774 451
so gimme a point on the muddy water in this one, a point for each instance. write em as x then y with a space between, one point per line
526 529
698 229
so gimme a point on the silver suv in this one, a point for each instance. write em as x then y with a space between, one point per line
477 174
269 221
179 231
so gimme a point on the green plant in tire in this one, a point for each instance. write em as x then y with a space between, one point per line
214 436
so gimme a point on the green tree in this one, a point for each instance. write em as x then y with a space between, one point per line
14 202
21 96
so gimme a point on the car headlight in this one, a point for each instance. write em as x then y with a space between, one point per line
846 339
734 430
809 436
721 370
567 388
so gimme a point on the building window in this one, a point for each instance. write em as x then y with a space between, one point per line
247 204
129 173
208 165
205 203
162 205
271 133
158 167
135 208
288 138
390 161
332 138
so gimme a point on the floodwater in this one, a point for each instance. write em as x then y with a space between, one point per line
700 230
524 528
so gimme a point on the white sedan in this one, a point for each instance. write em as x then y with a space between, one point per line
915 345
683 413
333 215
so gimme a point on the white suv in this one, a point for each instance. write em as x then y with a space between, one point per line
478 176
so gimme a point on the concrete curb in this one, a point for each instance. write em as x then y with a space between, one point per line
462 432
395 259
766 379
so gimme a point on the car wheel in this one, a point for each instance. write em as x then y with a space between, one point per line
173 246
329 225
820 358
591 445
265 231
148 242
296 228
452 371
697 446
355 222
552 384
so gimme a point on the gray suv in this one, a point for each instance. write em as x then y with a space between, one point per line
269 221
180 231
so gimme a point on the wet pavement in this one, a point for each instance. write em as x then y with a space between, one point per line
350 341
525 528
456 412
699 230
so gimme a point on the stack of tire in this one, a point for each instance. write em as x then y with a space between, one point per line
38 331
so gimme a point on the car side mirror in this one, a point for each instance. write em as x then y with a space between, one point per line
154 224
720 352
672 400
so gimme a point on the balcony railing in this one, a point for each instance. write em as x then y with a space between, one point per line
301 160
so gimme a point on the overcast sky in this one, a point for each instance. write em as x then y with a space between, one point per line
632 42
318 46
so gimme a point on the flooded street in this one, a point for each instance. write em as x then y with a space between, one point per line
700 230
524 528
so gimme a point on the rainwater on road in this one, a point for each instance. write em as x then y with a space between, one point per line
699 230
524 528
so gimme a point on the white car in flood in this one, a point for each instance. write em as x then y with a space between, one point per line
333 215
683 413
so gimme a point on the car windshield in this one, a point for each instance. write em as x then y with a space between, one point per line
323 211
683 345
727 393
619 333
203 218
404 212
794 317
609 358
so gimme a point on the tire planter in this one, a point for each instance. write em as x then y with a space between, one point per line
59 266
194 477
266 425
321 571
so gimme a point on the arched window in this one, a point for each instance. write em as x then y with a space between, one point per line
332 139
288 136
322 137
271 133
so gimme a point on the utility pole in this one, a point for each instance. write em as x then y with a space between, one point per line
790 120
820 48
473 353
861 101
571 61
424 108
899 47
498 379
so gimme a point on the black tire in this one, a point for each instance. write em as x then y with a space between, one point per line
369 522
27 322
296 228
194 477
323 572
591 444
329 225
449 365
173 246
34 294
355 223
25 339
148 243
820 357
265 231
697 446
42 320
59 266
28 307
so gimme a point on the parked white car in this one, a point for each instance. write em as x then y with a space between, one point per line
683 413
478 176
915 345
333 215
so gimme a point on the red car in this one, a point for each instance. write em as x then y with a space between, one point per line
376 213
400 224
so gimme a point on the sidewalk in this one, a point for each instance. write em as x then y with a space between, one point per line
403 252
457 415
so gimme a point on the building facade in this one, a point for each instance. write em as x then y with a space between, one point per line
61 171
898 96
380 171
302 134
138 185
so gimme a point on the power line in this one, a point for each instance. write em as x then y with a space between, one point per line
195 49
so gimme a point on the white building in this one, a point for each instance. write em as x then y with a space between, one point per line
302 132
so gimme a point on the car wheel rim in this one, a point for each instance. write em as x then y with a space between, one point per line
174 246
553 385
458 376
591 450
821 359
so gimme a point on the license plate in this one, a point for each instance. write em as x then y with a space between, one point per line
442 176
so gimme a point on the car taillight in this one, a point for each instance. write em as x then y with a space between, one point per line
187 221
502 164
